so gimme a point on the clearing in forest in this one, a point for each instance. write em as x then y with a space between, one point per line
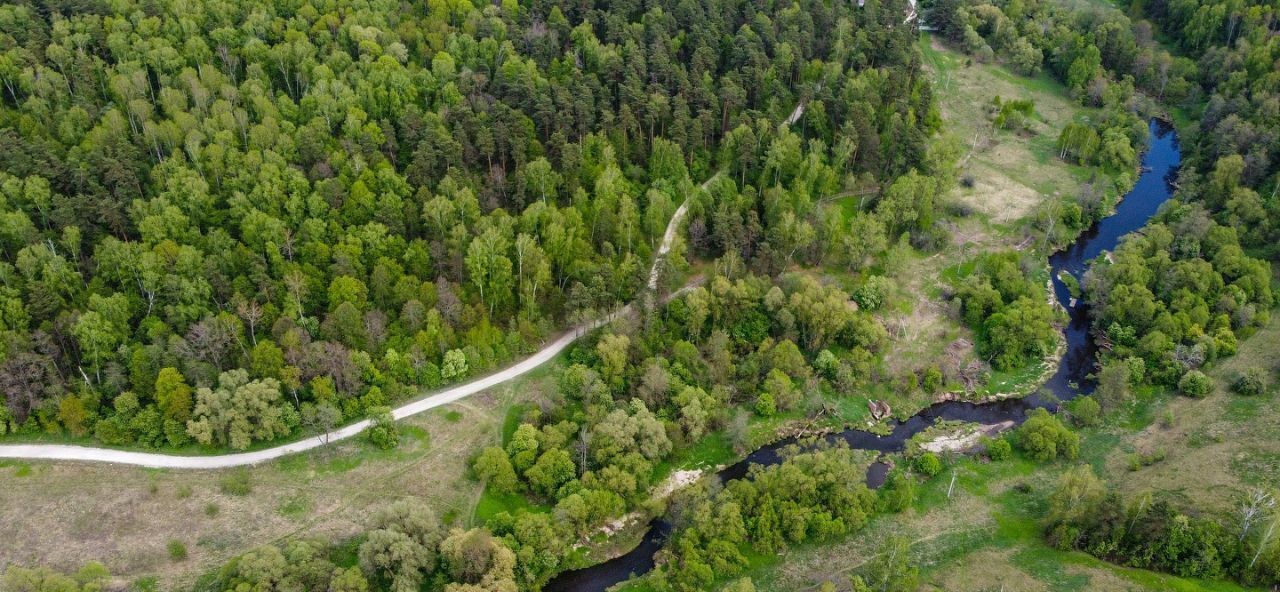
1012 172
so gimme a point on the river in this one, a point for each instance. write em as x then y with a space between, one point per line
1153 188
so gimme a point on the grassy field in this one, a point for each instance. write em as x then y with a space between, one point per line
67 514
1013 173
1216 447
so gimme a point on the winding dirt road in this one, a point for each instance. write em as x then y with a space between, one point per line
67 452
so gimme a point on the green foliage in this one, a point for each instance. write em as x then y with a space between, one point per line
890 569
240 411
1113 390
238 482
1186 314
90 578
928 464
1142 533
897 493
1085 411
1009 311
383 432
402 547
813 496
173 396
1251 382
1012 114
177 550
494 468
765 406
1195 384
998 449
211 192
1043 438
454 366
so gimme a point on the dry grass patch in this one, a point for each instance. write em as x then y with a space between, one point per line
930 534
1012 173
1215 447
985 570
66 514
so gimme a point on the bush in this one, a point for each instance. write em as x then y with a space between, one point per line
1085 411
998 449
1146 459
897 493
765 407
1195 384
1251 382
493 467
383 432
177 550
236 483
1044 438
932 380
928 464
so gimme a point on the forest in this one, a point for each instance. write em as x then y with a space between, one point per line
232 224
229 223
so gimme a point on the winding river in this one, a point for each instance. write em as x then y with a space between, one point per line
1154 187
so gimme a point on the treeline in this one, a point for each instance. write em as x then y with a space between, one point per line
1172 299
1093 51
1152 534
226 223
1231 161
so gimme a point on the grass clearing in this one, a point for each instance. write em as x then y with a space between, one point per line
71 513
1012 173
1217 447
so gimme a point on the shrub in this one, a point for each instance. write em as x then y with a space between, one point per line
998 449
1113 385
1044 438
827 363
382 432
929 464
1251 382
1085 411
897 493
932 380
1195 384
765 407
1146 459
177 550
872 293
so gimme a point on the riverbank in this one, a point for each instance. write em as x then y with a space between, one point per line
1066 381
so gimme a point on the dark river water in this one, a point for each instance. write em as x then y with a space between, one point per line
1154 187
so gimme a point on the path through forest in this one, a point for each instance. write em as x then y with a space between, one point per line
221 461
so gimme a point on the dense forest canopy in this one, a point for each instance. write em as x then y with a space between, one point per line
226 220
